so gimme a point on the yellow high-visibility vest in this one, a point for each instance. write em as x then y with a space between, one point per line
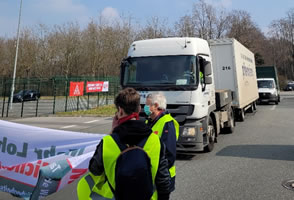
97 188
91 187
157 128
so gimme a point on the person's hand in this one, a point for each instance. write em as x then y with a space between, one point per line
114 122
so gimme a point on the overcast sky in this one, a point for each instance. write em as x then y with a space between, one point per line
52 12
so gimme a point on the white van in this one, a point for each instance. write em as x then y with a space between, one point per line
268 91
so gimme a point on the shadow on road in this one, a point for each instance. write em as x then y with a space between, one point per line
271 152
184 157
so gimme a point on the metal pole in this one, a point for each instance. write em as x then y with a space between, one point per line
16 54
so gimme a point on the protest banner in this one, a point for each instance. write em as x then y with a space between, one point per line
36 162
76 89
97 86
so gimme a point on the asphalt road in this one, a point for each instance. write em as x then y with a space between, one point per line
251 163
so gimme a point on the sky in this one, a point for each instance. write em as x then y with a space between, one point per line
58 12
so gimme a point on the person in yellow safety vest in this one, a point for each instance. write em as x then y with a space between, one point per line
201 77
165 126
100 183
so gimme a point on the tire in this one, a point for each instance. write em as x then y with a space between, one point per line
279 100
254 106
210 136
241 115
251 110
276 102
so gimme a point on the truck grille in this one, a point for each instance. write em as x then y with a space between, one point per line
264 95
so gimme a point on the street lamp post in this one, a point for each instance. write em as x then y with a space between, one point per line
16 54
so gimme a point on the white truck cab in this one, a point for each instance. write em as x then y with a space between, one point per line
268 91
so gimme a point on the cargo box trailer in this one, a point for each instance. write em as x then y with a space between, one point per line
234 69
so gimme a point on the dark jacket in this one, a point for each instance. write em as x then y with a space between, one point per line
132 132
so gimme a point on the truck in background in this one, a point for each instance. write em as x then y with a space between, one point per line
272 94
267 90
174 66
234 68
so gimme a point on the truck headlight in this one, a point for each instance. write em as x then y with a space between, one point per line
189 132
274 92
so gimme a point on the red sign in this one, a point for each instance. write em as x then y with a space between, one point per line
97 86
76 89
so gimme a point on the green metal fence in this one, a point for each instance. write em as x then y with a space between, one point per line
54 95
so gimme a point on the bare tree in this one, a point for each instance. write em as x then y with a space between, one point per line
248 33
202 15
205 21
92 46
155 28
185 27
242 27
282 33
2 54
9 55
221 23
68 48
27 53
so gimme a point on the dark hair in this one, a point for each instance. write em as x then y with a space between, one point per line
129 100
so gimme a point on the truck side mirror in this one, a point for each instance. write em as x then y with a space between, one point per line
208 80
207 68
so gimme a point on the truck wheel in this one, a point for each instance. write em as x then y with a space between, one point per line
254 106
241 115
210 136
276 102
279 100
251 110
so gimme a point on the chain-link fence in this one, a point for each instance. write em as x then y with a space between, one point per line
54 96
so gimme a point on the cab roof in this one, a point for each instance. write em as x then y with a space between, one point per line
169 46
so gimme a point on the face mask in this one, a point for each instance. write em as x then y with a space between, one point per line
147 110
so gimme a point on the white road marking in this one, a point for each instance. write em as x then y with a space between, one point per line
70 126
89 122
273 108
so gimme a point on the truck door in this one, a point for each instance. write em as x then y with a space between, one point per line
206 81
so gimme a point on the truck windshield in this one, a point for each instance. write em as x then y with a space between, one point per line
180 70
265 84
